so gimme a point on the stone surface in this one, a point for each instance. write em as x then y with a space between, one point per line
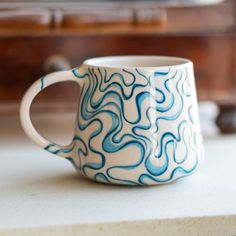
43 194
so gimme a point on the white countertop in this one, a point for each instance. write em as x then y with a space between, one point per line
41 194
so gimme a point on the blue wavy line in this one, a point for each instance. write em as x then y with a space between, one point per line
42 83
104 95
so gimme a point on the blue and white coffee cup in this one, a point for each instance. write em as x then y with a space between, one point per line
137 120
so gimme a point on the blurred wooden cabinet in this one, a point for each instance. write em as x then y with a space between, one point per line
30 33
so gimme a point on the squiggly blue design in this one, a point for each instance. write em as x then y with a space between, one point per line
144 117
42 83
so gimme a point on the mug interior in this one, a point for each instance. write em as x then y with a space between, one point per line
135 61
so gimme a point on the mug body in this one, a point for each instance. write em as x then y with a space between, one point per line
137 121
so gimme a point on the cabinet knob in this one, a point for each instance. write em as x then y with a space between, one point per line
56 63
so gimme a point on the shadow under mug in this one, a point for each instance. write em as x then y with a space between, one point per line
137 121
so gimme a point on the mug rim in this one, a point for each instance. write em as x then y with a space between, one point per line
115 62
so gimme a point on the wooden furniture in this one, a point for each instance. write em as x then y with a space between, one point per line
39 37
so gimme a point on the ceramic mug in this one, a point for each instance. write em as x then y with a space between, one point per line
137 120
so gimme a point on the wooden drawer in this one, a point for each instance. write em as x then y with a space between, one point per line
25 19
22 58
149 17
212 18
117 17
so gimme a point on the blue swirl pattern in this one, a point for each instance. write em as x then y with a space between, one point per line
136 127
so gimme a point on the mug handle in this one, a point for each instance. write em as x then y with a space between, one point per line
25 119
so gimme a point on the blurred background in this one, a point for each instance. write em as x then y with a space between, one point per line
39 37
39 191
